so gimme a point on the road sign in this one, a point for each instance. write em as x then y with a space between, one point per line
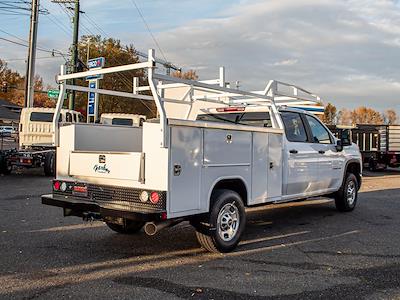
54 94
94 64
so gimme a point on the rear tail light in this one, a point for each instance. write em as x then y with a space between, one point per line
63 186
154 197
144 196
56 185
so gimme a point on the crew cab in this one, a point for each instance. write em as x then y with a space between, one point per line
211 152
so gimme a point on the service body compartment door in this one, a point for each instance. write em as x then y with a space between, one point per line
225 148
274 166
185 169
266 168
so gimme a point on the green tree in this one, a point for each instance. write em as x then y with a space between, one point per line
115 54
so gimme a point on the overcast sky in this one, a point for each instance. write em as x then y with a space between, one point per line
347 51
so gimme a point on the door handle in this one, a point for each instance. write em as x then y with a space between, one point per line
294 151
321 152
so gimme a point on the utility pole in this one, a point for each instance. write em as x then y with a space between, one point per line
30 70
75 40
75 50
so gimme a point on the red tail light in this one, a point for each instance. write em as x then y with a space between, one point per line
154 197
56 185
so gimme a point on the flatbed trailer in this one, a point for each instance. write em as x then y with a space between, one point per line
379 144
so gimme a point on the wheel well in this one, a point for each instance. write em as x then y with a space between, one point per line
354 168
236 185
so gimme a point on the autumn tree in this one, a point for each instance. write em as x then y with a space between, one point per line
330 114
191 75
16 88
390 117
365 115
115 54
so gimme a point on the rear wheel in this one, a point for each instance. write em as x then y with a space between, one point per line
49 164
5 166
346 197
128 226
226 219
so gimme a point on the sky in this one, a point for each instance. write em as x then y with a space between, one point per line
346 51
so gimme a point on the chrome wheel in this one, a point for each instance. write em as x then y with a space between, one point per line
351 192
228 222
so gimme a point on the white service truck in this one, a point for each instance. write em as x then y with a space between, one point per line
212 152
122 119
36 147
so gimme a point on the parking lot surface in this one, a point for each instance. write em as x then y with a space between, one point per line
302 250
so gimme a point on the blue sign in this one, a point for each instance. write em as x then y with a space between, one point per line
92 99
95 63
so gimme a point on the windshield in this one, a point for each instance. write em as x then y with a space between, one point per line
258 119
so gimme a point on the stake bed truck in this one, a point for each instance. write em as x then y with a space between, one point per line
212 152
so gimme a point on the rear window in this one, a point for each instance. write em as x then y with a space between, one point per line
121 121
43 117
258 119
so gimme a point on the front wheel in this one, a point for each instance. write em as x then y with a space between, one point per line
227 220
128 227
346 197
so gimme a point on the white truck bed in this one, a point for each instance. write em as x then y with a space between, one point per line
203 151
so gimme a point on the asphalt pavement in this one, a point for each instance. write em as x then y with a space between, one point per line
303 250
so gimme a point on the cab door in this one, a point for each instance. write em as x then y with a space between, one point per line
300 158
330 161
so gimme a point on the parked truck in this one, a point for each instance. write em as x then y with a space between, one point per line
122 119
36 147
211 152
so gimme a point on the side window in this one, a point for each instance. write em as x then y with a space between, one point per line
319 132
294 127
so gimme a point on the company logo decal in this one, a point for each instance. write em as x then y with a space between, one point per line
101 169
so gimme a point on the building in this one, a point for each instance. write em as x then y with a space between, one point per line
9 113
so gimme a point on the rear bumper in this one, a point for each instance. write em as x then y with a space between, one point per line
74 206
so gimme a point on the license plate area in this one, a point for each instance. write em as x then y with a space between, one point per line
80 190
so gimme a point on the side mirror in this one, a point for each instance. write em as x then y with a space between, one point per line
345 137
339 146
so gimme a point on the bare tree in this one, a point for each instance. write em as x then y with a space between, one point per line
390 117
344 117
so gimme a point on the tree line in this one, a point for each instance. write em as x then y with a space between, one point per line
359 115
116 54
13 86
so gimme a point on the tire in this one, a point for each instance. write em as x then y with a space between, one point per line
346 197
49 164
227 214
5 166
372 165
129 227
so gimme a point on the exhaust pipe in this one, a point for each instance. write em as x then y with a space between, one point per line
151 228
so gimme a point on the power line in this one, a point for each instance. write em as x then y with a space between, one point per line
148 29
39 49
